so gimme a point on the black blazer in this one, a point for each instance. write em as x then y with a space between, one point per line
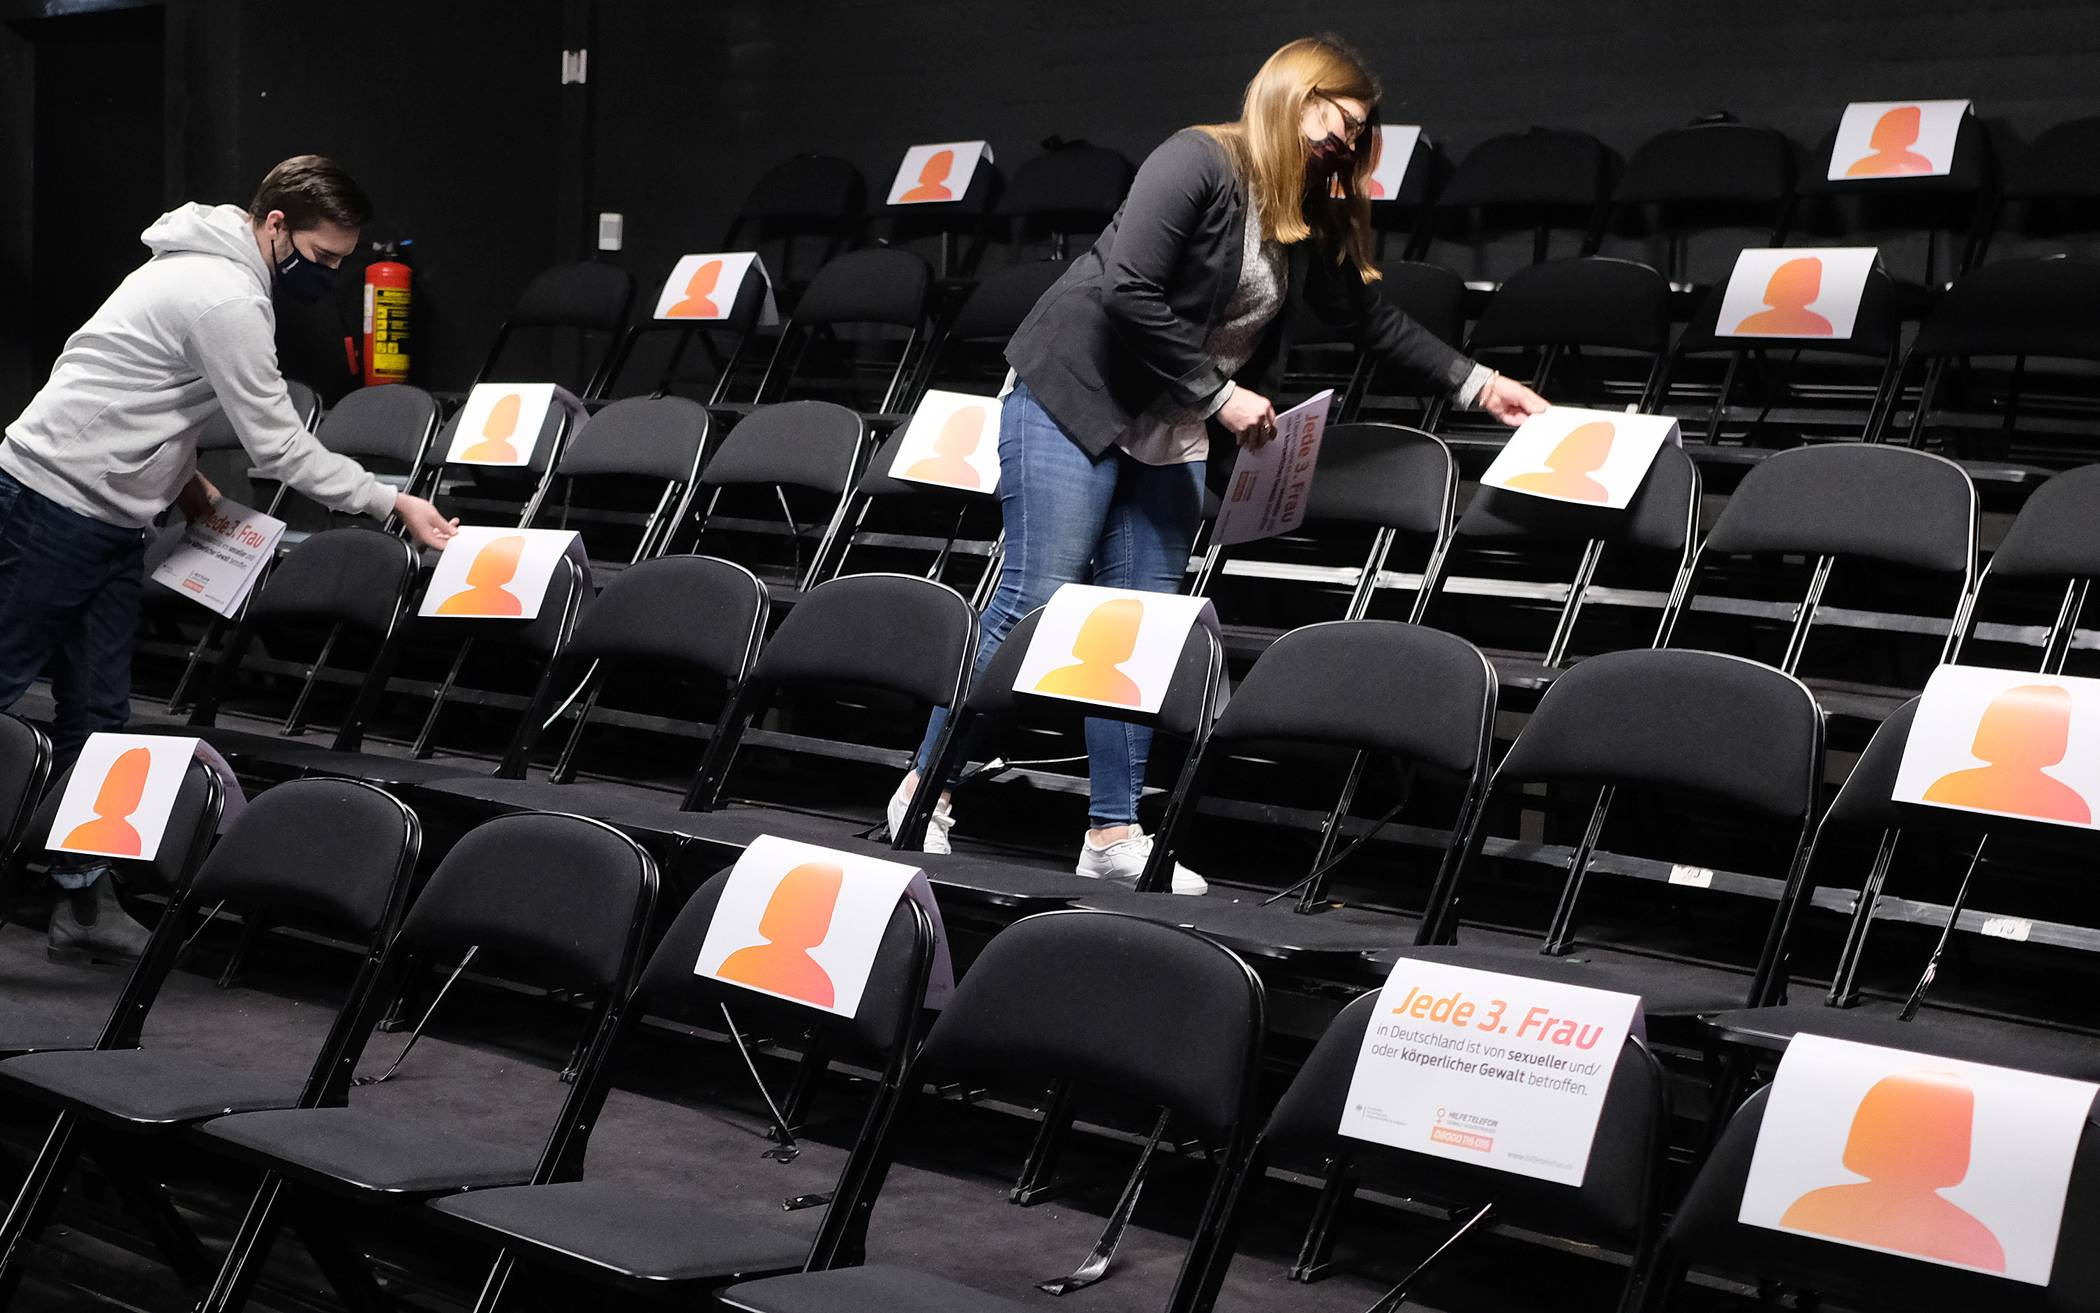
1127 322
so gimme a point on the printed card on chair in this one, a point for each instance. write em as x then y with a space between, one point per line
1396 150
120 795
1592 457
500 424
1896 139
1112 647
2005 743
952 441
1802 293
937 171
704 287
495 574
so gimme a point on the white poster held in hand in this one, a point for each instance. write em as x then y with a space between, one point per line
952 441
219 557
120 795
1896 139
2005 743
936 172
805 923
1594 457
1270 485
500 424
495 574
1947 1162
1795 293
1490 1069
705 287
1112 647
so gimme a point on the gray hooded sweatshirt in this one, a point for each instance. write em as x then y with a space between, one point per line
191 333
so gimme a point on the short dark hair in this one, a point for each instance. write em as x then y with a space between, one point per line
311 190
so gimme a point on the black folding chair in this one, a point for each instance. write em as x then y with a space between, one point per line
586 297
810 448
805 200
1541 183
880 292
1071 190
634 463
2038 579
2051 195
496 493
1715 179
929 529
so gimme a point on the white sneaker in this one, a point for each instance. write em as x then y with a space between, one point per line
1124 861
937 827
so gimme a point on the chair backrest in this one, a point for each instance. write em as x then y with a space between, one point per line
1429 294
1592 301
1662 517
806 190
1892 506
353 577
267 863
1876 325
998 304
545 448
192 824
1540 166
2062 162
2052 537
2027 307
804 444
393 423
880 285
25 766
642 437
543 636
1186 711
1383 476
1073 187
587 294
720 607
1711 164
907 635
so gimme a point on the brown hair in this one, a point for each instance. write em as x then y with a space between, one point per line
311 190
1269 150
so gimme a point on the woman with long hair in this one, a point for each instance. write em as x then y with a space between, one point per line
1174 323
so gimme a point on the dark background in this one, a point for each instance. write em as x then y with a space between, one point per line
452 114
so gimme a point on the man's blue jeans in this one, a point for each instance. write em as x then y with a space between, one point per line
1115 522
69 600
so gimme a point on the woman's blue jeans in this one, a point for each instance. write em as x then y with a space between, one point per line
1115 522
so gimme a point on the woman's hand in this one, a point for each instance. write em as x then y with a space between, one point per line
1248 417
1510 401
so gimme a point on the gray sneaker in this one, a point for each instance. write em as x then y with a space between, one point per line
90 925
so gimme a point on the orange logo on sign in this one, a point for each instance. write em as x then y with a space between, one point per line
1107 638
1910 1139
2023 730
494 566
1568 469
497 431
797 918
957 440
933 179
1787 296
1895 132
118 798
699 293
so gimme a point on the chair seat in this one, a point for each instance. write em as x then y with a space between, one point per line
1939 1032
596 798
1276 932
361 1149
377 768
1668 989
627 1232
1006 885
736 825
145 1087
876 1288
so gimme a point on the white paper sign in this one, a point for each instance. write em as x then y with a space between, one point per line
219 557
706 286
1485 1068
805 923
500 424
1270 485
2005 743
1112 647
486 573
1778 292
1396 150
1595 457
1896 139
120 795
952 441
1947 1162
937 171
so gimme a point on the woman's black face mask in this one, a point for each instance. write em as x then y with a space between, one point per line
1330 155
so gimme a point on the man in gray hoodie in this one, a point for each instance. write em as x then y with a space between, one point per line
111 442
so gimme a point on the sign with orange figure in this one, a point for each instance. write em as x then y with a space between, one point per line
704 287
1896 139
1594 457
2006 743
495 574
1271 485
952 441
1396 150
500 424
937 171
120 794
1113 647
806 923
1481 1067
1948 1162
1795 293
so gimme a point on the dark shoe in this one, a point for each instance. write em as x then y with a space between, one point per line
90 925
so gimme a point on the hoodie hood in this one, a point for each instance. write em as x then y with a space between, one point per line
222 230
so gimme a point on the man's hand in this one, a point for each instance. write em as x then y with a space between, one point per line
426 524
197 498
1248 417
1510 401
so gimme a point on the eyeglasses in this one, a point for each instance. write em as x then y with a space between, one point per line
1352 126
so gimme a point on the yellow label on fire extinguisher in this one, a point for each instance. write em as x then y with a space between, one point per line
386 323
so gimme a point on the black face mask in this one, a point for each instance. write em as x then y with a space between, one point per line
1329 155
304 279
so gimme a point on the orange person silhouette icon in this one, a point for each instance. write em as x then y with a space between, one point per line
1788 294
933 179
2023 730
1107 638
952 448
497 431
495 565
699 294
797 918
115 801
1895 132
1568 469
1910 1139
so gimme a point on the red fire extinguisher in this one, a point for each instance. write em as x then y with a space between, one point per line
386 315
